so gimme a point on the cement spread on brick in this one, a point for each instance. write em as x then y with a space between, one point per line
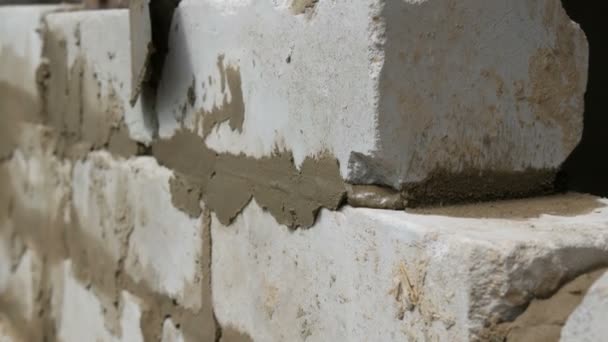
228 182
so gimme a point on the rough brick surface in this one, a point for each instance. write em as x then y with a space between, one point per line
364 274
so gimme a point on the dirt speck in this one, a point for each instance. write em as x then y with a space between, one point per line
191 93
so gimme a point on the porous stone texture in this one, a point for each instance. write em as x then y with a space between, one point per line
588 321
401 92
364 274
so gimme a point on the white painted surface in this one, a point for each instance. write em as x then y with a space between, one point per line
417 85
338 280
79 313
588 322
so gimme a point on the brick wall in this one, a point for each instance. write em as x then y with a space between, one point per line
258 193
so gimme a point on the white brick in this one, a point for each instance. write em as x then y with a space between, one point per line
416 86
115 198
364 274
21 44
166 249
101 39
79 314
588 322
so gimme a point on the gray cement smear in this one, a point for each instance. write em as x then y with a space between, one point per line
228 182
